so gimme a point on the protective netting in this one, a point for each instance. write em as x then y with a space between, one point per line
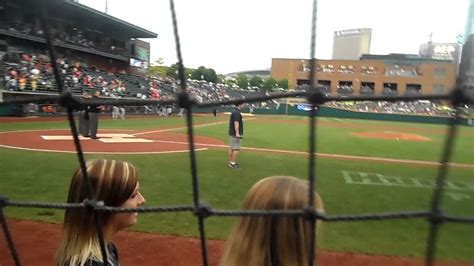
435 216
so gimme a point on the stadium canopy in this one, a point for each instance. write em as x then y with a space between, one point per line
132 30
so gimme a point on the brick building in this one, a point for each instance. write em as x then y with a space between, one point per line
372 74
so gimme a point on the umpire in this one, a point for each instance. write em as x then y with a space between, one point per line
84 117
94 111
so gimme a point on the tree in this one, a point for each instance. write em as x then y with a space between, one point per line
158 62
256 81
198 74
172 71
220 78
188 72
283 83
269 84
210 75
242 81
158 70
158 67
229 82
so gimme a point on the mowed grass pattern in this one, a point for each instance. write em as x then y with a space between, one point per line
166 180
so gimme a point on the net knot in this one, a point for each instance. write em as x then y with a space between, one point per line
315 96
3 201
310 213
459 97
203 210
67 100
436 217
184 100
93 205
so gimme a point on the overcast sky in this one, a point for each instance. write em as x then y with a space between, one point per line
237 35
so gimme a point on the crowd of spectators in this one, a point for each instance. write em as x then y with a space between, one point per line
366 89
368 70
346 69
325 68
416 107
204 91
345 88
28 72
73 36
342 69
396 70
33 72
389 90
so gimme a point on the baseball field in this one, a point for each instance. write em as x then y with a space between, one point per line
362 167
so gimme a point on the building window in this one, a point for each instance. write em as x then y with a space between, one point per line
367 87
402 71
325 86
368 70
413 89
345 87
438 89
440 72
346 69
390 89
304 67
301 82
325 68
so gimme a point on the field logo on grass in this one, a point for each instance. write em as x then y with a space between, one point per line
361 178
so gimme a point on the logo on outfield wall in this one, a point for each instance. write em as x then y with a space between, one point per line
361 178
303 107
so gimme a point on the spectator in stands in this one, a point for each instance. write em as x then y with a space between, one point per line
267 240
12 84
116 184
34 83
22 82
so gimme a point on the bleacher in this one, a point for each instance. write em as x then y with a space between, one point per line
37 68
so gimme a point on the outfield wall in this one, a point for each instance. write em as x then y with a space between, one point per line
284 109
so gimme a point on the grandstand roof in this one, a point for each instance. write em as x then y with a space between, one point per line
132 30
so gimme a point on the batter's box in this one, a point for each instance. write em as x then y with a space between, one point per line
69 137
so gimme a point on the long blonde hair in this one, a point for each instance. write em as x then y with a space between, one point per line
254 240
113 182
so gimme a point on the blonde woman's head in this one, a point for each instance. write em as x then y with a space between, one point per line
265 240
116 184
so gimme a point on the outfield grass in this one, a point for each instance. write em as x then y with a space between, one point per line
165 180
294 136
